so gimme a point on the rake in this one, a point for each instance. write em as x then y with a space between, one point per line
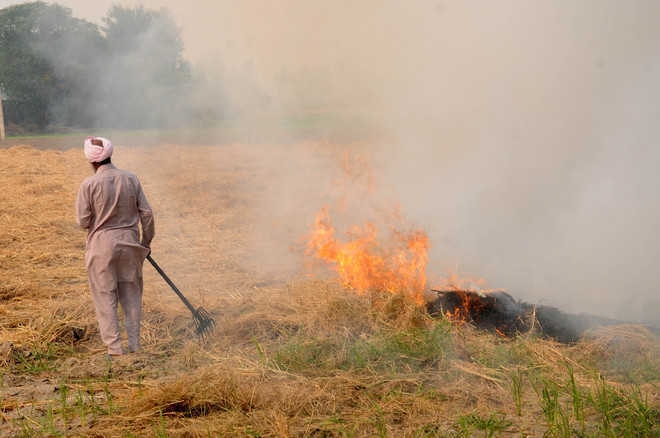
204 323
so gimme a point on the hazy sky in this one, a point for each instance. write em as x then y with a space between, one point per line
524 134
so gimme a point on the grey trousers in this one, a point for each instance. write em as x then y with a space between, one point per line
129 296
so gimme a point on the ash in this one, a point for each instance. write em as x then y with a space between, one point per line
500 312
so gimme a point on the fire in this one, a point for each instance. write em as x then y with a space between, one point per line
469 290
365 258
365 262
461 312
458 315
454 281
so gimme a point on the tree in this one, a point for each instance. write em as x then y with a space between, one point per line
73 48
43 51
57 70
144 81
20 65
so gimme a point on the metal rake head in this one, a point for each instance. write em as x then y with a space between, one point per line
204 323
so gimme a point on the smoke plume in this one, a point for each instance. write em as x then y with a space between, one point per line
522 136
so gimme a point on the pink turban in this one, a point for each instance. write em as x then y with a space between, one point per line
96 154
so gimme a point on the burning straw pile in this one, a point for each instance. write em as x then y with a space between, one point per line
499 312
365 261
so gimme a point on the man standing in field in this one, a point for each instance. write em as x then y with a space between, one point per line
110 204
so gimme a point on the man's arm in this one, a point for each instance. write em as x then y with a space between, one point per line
146 218
84 215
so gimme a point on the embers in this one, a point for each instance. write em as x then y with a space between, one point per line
495 311
499 312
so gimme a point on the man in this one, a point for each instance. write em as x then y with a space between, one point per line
110 204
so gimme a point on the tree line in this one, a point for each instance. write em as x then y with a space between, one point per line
58 71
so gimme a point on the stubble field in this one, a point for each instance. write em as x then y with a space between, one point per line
293 353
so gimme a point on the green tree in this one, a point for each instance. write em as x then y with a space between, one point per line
43 55
57 70
144 81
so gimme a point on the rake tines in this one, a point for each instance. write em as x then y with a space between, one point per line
204 323
202 320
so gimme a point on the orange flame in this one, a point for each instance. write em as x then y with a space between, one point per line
454 281
364 263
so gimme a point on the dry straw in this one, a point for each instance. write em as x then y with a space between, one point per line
365 373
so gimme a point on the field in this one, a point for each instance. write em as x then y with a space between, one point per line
294 352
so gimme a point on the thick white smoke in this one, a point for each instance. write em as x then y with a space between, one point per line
521 135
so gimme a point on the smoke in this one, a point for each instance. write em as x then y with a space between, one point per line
536 174
519 135
522 136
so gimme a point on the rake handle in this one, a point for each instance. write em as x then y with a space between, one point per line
172 285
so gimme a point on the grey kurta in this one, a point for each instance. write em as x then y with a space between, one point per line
110 205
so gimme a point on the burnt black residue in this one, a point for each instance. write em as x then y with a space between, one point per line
499 311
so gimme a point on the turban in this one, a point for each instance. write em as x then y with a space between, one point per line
96 154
